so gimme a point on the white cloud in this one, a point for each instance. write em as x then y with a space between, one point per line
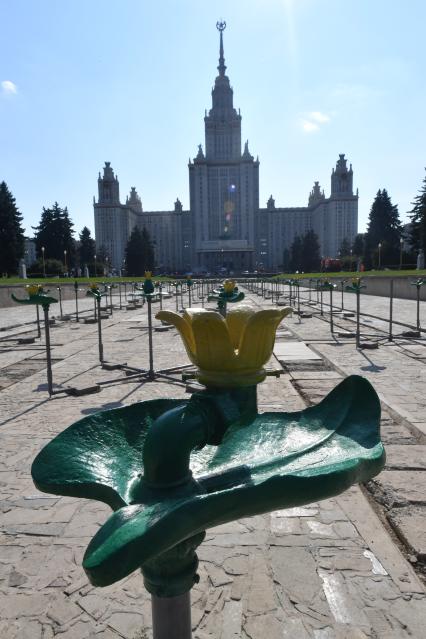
308 126
9 87
319 117
313 121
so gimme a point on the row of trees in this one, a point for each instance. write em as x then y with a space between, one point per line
56 249
384 241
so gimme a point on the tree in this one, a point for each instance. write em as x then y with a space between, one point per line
345 247
50 267
418 220
311 257
139 253
384 227
12 242
358 247
87 249
55 234
286 260
296 254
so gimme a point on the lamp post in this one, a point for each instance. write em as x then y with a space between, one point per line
401 244
44 263
96 270
351 260
65 260
380 261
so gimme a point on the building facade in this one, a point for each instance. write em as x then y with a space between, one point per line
224 228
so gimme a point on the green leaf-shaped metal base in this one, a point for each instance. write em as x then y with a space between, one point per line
278 460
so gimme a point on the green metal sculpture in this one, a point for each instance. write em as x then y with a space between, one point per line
171 468
228 292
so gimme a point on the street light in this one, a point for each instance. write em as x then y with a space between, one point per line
44 264
65 260
401 244
96 269
380 248
351 259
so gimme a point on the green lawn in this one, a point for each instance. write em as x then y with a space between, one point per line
350 274
48 281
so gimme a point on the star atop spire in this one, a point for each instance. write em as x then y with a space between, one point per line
221 26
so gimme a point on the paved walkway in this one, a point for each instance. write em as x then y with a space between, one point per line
328 571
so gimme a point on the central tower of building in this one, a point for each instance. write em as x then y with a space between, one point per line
224 186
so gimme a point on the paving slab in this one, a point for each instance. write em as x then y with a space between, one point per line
410 524
294 351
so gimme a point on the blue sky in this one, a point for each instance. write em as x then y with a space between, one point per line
127 81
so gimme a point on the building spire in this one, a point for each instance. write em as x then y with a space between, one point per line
221 26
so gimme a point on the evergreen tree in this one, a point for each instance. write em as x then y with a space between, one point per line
286 260
55 233
296 254
311 258
139 253
418 220
384 227
358 247
345 247
87 248
11 233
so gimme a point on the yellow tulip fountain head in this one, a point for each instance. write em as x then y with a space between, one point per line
34 289
229 286
230 351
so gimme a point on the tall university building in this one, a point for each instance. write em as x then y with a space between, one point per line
224 227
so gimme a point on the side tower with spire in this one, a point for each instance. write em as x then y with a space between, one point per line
224 186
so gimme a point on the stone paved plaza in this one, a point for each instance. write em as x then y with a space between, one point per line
345 568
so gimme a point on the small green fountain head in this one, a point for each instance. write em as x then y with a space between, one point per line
418 282
36 295
148 286
326 285
231 351
355 286
189 281
227 293
94 291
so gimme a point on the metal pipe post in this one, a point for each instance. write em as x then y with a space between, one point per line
119 293
160 289
322 309
189 296
331 311
110 299
151 374
38 322
100 345
177 297
60 300
48 351
418 308
357 318
343 286
390 338
171 617
76 303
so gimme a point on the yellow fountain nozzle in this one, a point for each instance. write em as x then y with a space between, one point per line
229 286
232 351
148 275
34 289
